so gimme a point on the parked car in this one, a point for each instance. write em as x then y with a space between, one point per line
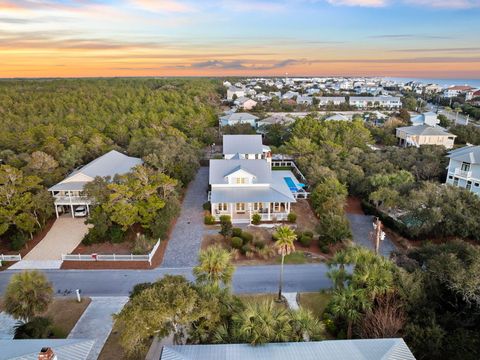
80 211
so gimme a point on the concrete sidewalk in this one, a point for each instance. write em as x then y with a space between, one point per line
97 322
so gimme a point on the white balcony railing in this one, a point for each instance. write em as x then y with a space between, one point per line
74 200
463 173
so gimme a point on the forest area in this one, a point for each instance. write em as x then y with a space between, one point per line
51 127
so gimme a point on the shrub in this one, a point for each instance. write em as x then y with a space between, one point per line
244 249
209 219
308 233
116 234
267 252
250 254
236 242
225 218
305 240
143 245
163 219
247 237
291 217
207 206
138 288
226 226
324 249
256 219
18 241
237 232
274 237
37 328
259 244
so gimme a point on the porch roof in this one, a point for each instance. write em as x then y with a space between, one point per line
249 194
69 186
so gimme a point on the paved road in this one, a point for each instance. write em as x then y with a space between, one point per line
186 238
361 226
247 279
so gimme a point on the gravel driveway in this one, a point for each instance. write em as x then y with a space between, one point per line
186 238
361 226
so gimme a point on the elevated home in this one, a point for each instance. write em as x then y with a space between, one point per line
427 118
464 168
244 183
245 147
239 118
69 194
419 135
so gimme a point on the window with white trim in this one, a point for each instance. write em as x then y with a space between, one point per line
223 206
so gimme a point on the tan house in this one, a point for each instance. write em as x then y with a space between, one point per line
424 135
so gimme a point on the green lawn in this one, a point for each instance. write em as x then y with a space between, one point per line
297 257
315 302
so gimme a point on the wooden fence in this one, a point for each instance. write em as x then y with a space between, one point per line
112 257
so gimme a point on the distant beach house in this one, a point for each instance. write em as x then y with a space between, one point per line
418 135
235 91
244 183
330 100
239 118
464 168
375 101
427 118
69 194
245 103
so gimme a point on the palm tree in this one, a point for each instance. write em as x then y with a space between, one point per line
214 267
28 294
284 244
263 322
350 303
306 326
338 274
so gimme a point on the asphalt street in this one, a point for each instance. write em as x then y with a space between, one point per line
247 279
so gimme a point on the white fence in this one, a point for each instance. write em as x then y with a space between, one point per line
10 258
112 257
291 164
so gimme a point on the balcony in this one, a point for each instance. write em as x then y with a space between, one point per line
71 200
463 173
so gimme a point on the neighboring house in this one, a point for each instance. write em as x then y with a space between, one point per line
239 118
427 118
233 90
245 147
275 119
464 168
432 88
337 117
290 95
68 193
375 101
304 100
418 135
330 100
46 349
245 103
243 183
456 90
361 349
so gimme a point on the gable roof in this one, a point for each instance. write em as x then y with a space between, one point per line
110 164
64 349
241 116
221 168
363 349
242 144
425 130
470 154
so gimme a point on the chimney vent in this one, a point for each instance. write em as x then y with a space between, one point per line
47 353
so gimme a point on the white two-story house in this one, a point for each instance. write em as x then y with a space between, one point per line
244 183
69 195
464 168
392 102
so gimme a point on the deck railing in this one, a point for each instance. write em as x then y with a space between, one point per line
112 257
10 258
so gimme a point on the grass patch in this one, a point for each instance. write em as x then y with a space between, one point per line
65 314
297 257
316 302
281 168
258 298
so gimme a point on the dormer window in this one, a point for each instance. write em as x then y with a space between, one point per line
241 180
465 166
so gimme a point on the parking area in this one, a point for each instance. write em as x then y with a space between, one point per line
64 236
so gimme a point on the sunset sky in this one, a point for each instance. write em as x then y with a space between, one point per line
404 38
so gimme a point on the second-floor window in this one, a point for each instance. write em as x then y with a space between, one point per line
465 166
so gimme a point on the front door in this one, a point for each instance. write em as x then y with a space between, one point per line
240 207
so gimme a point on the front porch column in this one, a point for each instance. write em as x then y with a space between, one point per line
56 210
288 208
88 209
231 205
250 211
268 216
71 205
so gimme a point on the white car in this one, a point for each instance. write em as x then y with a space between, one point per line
80 211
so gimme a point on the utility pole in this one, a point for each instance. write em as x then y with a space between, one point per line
377 234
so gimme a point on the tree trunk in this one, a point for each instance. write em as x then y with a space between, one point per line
349 329
281 280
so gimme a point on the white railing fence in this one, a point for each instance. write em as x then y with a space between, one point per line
10 258
112 257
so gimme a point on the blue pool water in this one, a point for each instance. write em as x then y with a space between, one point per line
290 184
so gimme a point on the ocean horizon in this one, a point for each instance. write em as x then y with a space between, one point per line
442 82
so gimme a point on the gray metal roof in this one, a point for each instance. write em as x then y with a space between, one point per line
220 168
266 193
470 154
109 164
69 185
374 98
364 349
242 144
337 117
65 349
425 130
242 116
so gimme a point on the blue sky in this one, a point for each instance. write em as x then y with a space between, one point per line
418 38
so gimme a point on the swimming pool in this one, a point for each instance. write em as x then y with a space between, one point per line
291 184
